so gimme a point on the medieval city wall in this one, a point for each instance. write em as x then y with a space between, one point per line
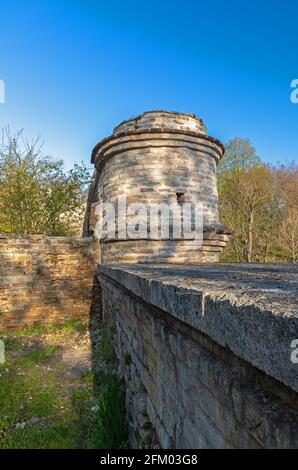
45 280
206 353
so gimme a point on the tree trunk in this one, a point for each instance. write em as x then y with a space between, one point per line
250 237
293 248
266 253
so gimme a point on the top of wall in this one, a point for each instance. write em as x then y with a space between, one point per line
249 308
162 120
164 124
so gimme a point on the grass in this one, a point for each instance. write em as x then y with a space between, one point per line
40 355
44 406
105 350
110 429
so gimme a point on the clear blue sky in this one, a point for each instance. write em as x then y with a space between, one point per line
74 69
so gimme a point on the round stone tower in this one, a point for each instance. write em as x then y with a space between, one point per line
157 158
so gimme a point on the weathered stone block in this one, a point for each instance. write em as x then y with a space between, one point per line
197 388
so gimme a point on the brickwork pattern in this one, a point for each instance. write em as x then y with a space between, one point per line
45 280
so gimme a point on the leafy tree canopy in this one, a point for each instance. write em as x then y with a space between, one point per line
260 203
36 195
240 155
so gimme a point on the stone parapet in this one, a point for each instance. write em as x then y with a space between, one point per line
206 353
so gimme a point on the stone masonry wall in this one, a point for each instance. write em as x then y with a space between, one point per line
45 279
187 390
160 159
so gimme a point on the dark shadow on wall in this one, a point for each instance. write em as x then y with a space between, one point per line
95 334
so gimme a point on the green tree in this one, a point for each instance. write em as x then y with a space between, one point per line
248 202
240 155
36 195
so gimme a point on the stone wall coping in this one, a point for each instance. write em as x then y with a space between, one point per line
160 111
249 308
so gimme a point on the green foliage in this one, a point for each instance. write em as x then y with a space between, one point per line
29 331
40 355
36 195
260 204
23 394
240 155
35 382
105 348
73 325
110 426
56 435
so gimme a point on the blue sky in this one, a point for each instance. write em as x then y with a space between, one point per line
74 69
